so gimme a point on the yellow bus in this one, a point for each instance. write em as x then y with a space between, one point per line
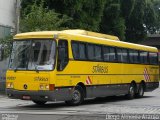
72 65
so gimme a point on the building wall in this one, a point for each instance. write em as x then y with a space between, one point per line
7 17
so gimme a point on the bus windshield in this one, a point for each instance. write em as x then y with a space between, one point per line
33 55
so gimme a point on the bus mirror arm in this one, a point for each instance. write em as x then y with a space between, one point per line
15 70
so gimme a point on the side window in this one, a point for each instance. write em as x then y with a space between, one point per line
98 53
106 53
112 54
119 55
153 58
62 54
79 50
125 55
75 50
90 51
82 51
133 56
143 57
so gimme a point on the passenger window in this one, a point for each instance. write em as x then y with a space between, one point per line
124 55
153 58
62 54
134 57
106 53
119 55
90 51
82 51
112 54
75 50
98 53
143 57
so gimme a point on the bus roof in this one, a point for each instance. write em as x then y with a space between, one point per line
97 37
49 34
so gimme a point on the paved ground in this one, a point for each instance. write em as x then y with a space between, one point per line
93 109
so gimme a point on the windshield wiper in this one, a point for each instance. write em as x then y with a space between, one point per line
36 68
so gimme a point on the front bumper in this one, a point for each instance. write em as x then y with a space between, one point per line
56 95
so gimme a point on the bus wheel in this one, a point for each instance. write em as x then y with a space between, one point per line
140 91
131 92
77 96
39 102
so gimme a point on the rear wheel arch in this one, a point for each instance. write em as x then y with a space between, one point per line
132 90
135 85
144 84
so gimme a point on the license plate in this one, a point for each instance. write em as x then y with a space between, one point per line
26 97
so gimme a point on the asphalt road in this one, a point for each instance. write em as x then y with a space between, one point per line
118 107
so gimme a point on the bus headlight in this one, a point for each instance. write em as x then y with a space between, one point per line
44 87
9 85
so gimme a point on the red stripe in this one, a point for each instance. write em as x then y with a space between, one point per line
89 80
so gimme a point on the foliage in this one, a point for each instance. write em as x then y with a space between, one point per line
156 5
40 18
6 45
112 21
86 14
130 20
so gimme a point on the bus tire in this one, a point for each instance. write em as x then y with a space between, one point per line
140 91
131 92
77 96
39 102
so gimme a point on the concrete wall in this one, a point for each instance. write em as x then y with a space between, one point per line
7 16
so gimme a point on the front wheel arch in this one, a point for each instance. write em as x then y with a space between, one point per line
77 96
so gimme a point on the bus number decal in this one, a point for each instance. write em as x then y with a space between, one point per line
100 69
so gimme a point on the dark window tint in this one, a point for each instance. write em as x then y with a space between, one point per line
119 55
106 53
112 54
109 53
90 51
98 53
62 54
124 55
153 58
79 50
82 52
75 49
143 57
133 55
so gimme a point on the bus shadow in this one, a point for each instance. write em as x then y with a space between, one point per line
109 99
56 105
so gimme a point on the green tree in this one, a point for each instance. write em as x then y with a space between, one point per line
150 17
40 18
156 5
6 45
86 14
112 21
140 18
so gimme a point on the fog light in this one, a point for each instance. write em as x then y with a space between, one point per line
9 85
47 87
44 87
41 87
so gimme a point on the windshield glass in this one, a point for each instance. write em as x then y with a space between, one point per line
33 55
